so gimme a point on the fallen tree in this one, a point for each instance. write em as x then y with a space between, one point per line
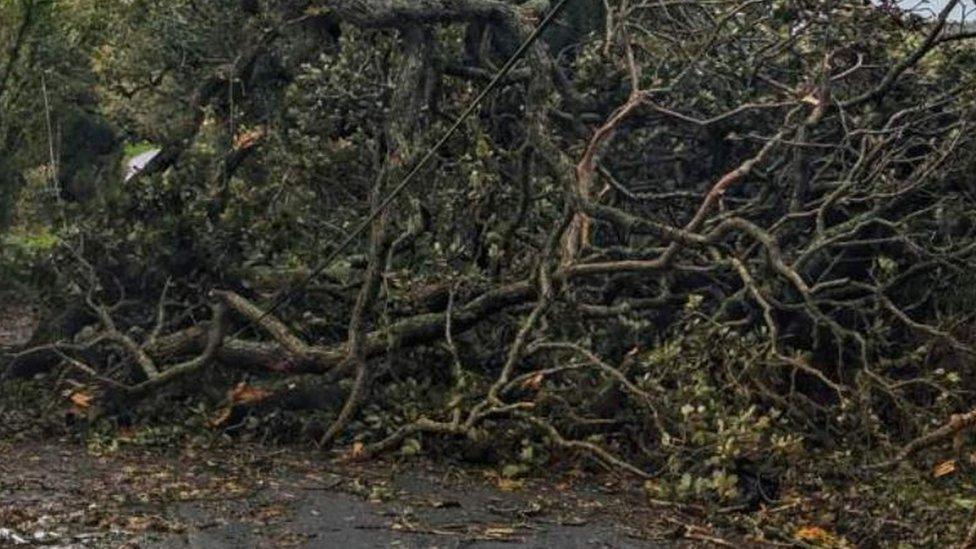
728 229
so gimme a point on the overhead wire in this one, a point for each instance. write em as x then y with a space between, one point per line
500 75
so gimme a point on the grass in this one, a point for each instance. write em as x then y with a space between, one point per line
31 241
131 150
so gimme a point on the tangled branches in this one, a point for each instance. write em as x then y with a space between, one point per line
698 228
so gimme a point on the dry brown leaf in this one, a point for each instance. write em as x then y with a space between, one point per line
245 394
815 535
269 513
945 468
508 484
357 450
81 399
812 100
534 383
221 417
248 139
143 523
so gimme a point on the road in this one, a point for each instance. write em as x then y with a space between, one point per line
59 493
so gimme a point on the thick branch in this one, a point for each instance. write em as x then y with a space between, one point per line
399 13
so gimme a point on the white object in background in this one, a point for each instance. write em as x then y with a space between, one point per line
139 162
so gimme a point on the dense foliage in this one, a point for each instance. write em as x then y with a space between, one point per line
698 241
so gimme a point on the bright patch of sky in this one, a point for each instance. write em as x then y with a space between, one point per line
929 8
